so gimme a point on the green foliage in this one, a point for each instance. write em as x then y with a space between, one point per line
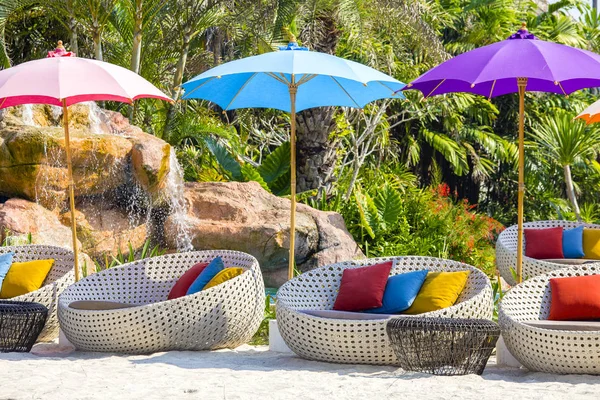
147 251
261 337
9 238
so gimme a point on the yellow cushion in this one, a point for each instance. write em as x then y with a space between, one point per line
591 243
25 277
440 290
224 275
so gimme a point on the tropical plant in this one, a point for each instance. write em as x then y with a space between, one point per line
568 142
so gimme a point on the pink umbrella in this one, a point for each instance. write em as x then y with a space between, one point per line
63 80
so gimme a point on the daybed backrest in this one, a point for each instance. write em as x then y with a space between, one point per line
64 260
317 289
531 299
150 280
508 237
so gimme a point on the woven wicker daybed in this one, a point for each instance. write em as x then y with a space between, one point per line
60 276
547 347
224 316
362 341
506 251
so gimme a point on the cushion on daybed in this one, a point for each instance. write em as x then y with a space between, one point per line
25 277
570 261
440 290
573 242
565 325
223 276
591 243
211 270
575 298
400 292
98 305
335 314
544 243
5 263
185 281
362 288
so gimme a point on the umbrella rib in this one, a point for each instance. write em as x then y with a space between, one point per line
492 90
435 88
561 88
387 87
199 86
305 78
3 101
345 91
240 90
272 75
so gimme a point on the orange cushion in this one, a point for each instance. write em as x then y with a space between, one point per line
575 298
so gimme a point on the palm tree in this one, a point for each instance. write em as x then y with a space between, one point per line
566 142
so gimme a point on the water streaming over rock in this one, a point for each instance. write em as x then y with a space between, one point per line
178 206
27 110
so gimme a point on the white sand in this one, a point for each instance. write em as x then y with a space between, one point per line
255 373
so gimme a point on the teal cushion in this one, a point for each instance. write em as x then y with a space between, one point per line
5 263
400 292
206 275
573 242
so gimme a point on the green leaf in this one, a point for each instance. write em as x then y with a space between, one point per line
249 173
281 186
368 212
225 160
276 164
389 205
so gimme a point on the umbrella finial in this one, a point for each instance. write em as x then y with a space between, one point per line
293 44
60 45
524 26
60 51
522 33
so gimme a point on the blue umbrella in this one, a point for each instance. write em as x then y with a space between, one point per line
292 80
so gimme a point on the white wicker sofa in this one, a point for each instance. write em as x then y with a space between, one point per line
542 345
506 251
60 276
362 341
224 316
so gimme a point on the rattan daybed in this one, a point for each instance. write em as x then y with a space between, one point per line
224 316
506 251
575 350
60 276
362 341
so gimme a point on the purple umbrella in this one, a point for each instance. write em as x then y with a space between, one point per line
519 64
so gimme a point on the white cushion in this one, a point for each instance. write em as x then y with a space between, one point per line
565 325
335 314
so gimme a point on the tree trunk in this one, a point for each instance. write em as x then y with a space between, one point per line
317 154
571 191
177 80
136 50
97 38
73 40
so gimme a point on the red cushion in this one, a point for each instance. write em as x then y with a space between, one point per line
575 298
544 243
362 288
185 281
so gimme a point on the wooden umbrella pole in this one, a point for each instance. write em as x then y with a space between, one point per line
71 186
293 88
522 85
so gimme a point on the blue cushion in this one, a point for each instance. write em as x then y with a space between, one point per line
5 263
206 275
400 292
573 242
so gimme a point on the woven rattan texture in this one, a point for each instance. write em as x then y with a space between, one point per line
506 250
555 351
20 324
60 276
362 341
443 346
224 316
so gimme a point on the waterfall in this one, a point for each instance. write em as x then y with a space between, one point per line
94 118
175 195
28 115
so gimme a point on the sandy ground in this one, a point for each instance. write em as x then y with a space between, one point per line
256 373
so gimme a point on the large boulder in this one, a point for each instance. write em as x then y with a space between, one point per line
245 217
105 147
19 218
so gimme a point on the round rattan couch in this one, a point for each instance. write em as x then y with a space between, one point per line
60 276
362 341
539 349
224 316
506 250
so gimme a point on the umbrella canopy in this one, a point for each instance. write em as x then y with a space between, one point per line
63 80
591 113
292 80
72 80
519 64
